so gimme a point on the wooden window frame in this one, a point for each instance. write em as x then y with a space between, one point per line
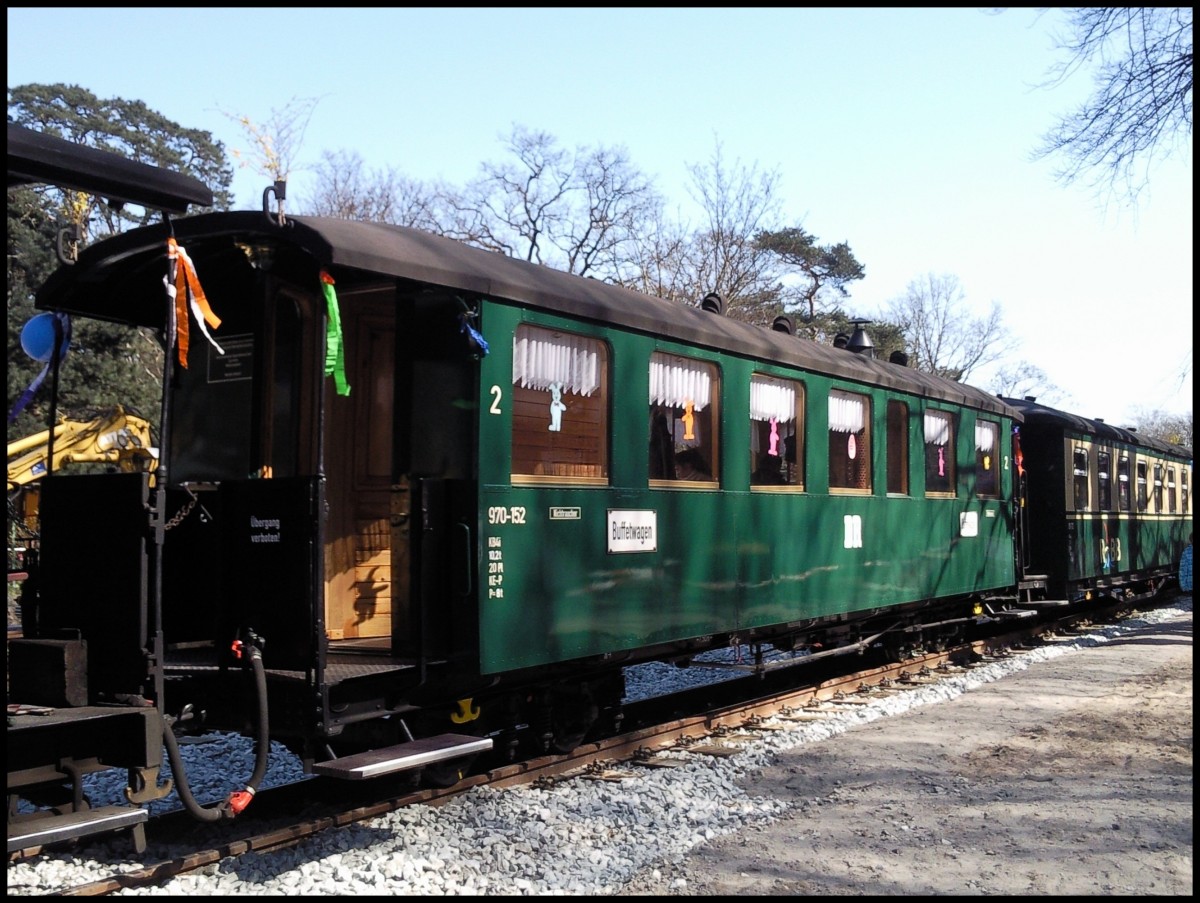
897 447
843 451
949 458
792 474
1104 462
577 453
1125 491
671 411
986 460
1081 461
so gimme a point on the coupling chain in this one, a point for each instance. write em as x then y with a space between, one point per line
182 514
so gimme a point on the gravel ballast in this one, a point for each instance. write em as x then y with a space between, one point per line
575 837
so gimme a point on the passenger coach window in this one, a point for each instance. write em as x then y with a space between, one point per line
897 448
683 439
1141 485
939 453
849 441
1158 487
776 432
1185 499
1123 482
1104 479
987 440
1079 472
1171 489
560 406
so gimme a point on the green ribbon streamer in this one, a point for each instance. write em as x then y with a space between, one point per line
335 351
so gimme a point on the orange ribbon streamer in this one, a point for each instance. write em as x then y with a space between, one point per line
187 288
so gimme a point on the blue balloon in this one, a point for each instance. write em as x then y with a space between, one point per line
37 337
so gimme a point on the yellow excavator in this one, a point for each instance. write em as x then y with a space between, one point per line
114 437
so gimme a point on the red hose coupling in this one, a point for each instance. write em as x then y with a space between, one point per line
240 799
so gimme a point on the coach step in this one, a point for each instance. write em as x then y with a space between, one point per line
375 763
41 830
1012 612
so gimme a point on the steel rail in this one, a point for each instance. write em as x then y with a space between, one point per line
639 746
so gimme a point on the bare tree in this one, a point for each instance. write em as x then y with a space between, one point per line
275 143
738 250
591 212
576 210
516 205
618 201
346 190
942 336
656 263
1176 428
1023 379
1141 108
736 204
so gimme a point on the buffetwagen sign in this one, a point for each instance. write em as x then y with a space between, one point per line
632 531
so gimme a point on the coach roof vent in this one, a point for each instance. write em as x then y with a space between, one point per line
784 324
860 342
899 357
841 340
712 303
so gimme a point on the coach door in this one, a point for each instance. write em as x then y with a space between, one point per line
366 572
1020 507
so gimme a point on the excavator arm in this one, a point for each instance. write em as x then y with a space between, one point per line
115 437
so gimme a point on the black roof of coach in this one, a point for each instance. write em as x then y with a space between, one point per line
120 279
40 158
1040 415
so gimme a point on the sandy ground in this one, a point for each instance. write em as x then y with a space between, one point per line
1072 777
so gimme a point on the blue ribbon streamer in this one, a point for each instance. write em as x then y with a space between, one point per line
473 333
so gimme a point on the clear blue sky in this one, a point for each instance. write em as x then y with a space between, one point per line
907 133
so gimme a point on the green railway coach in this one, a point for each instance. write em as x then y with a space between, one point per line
443 491
588 550
1110 510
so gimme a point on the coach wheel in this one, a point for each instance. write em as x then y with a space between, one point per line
572 713
447 774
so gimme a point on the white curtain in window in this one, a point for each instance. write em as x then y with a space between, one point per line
985 437
675 381
847 413
772 398
937 428
542 357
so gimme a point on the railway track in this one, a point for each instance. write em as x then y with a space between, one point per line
718 728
